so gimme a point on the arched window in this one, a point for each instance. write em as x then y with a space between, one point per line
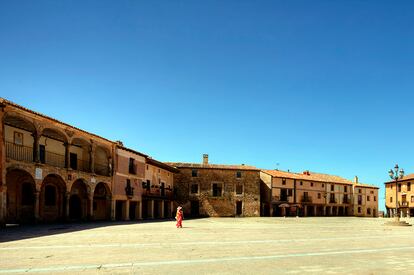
27 194
50 195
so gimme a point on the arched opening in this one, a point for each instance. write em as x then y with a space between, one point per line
79 155
101 202
19 140
102 161
52 196
52 147
20 197
78 201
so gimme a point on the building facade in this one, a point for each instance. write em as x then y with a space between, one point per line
404 190
210 190
315 194
51 171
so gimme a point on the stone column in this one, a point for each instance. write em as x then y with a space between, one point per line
92 157
126 218
67 155
37 206
36 139
162 209
139 205
90 211
67 205
305 210
113 206
152 209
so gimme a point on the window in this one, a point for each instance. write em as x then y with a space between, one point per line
311 184
323 185
359 209
409 186
412 198
148 186
290 192
369 211
50 195
147 167
301 183
239 189
391 187
345 188
368 198
375 198
283 182
332 187
332 198
132 166
319 195
372 192
399 187
390 199
359 199
194 173
359 190
194 188
27 194
238 174
217 189
345 200
18 138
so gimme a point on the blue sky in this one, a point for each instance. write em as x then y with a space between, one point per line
324 86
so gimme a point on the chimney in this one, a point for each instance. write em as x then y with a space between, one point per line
205 158
356 179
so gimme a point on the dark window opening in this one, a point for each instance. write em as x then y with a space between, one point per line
194 173
131 167
239 189
50 195
238 174
217 189
332 187
194 188
311 184
284 182
345 189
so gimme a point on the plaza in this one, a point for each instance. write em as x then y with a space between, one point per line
331 245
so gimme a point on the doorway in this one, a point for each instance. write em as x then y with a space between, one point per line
73 161
75 207
132 210
195 208
119 210
239 208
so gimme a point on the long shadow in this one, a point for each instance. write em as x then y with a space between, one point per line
21 232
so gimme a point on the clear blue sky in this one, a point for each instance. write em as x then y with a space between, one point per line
319 85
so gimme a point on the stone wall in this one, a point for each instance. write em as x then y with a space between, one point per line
218 206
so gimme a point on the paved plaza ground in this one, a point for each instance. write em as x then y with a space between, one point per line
212 245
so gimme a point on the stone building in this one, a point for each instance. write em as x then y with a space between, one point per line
405 194
51 171
315 194
213 190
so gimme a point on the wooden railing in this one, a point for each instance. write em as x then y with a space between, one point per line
102 169
19 152
55 159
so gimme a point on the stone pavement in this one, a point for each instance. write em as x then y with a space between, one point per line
337 245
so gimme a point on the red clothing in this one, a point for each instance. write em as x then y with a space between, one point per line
179 218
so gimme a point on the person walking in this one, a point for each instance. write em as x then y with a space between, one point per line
179 217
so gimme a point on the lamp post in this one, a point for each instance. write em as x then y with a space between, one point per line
396 174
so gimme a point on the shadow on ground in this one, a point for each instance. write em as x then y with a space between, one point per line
21 232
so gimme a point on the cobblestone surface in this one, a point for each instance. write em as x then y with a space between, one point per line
213 245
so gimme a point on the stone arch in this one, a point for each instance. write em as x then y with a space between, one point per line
78 200
102 201
21 196
52 147
52 198
103 161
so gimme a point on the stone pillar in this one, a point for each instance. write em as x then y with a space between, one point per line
67 205
305 210
92 157
152 209
113 205
90 210
67 155
37 206
126 218
324 211
162 209
36 155
314 211
139 205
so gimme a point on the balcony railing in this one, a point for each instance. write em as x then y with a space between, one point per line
346 201
102 169
19 152
55 159
332 200
83 165
306 199
403 204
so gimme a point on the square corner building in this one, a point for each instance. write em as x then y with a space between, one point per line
211 190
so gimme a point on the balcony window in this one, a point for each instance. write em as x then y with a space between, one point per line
194 173
332 187
345 188
148 186
238 174
409 186
131 166
239 189
359 191
311 184
301 183
332 198
217 189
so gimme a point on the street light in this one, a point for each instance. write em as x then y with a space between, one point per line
396 175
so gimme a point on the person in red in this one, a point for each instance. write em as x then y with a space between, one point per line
179 217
